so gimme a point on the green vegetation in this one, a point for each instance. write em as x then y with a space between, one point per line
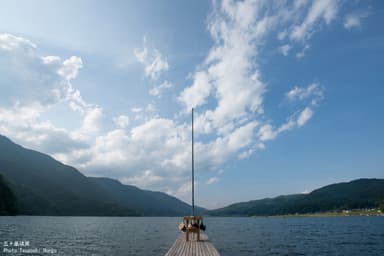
381 206
8 203
148 203
44 186
357 194
32 183
344 213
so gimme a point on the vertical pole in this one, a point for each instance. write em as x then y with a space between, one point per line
193 173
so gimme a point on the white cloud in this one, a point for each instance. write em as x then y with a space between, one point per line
154 152
228 70
353 20
301 54
320 9
157 90
266 132
92 121
136 110
310 96
145 179
284 49
247 153
196 94
184 190
51 60
153 61
20 123
70 67
227 87
304 116
121 121
11 42
32 85
212 180
225 147
312 91
150 108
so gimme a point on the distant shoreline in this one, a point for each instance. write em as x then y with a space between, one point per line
344 213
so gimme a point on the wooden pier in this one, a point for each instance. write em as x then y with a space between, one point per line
192 243
193 247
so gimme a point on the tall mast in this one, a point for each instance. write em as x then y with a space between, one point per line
193 173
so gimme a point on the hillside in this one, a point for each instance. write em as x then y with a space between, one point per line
43 186
8 203
362 193
148 203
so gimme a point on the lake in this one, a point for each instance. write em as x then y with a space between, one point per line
154 236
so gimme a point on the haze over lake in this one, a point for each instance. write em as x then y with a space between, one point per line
232 236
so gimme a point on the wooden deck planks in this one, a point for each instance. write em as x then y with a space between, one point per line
202 248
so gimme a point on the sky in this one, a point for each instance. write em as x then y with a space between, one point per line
288 95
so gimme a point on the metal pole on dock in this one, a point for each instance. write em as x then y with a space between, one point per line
193 173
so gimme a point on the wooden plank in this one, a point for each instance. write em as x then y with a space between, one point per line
196 248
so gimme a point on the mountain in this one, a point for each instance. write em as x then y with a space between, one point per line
148 203
44 186
357 194
8 202
40 185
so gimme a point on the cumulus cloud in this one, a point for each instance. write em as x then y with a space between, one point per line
157 90
121 121
145 179
19 123
70 67
92 121
229 70
154 62
227 90
31 85
196 94
266 132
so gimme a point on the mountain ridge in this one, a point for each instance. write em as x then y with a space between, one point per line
36 184
45 186
355 194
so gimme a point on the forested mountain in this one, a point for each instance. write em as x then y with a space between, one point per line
148 203
32 183
43 186
357 194
8 202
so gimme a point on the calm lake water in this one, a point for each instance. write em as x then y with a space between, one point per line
231 236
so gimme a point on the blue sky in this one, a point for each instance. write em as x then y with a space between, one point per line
288 94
